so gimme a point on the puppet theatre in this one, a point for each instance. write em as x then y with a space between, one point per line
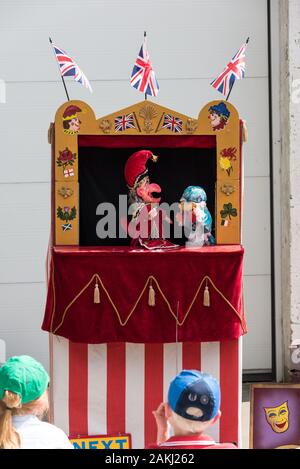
145 264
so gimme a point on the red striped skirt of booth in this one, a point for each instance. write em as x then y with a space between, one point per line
113 388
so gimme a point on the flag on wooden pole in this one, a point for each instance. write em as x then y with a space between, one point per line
143 76
69 68
235 70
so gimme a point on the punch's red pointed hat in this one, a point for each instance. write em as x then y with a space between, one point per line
135 167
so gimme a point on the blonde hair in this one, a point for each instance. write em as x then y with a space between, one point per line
11 405
186 426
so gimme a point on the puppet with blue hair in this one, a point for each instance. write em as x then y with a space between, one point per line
195 217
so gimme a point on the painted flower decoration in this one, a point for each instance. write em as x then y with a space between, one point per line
227 189
66 157
65 192
227 156
67 213
226 165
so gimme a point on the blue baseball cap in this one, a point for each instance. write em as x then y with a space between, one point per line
194 395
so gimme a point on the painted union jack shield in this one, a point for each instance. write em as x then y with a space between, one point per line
172 123
235 70
124 122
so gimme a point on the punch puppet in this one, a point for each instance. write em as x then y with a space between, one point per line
146 225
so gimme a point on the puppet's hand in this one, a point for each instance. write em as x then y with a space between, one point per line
152 213
161 422
179 218
168 219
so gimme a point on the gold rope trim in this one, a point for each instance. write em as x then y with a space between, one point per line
149 279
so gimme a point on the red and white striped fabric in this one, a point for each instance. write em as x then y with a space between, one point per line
113 388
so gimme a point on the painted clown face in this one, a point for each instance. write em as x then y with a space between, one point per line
74 124
278 417
215 119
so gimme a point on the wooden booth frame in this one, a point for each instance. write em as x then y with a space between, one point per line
147 119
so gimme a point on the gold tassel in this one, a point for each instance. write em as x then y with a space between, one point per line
206 296
96 293
151 297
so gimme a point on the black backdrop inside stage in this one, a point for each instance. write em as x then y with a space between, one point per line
101 179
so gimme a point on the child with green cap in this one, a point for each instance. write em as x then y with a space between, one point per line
23 402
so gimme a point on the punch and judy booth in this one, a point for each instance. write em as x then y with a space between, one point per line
126 310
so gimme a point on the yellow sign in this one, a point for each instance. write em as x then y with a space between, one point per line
102 442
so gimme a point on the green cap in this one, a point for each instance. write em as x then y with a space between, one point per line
24 376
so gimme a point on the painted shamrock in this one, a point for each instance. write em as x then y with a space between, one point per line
228 211
227 156
66 214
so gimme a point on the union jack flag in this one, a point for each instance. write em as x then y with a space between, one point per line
235 70
172 123
143 76
69 68
124 122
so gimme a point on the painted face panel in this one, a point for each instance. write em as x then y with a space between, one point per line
215 119
75 124
278 417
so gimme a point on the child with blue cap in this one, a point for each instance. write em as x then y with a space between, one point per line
193 405
23 403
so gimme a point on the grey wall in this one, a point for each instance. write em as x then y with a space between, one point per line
290 187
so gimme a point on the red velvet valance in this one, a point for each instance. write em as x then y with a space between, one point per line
178 278
153 141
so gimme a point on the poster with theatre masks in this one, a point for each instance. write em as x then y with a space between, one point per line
275 416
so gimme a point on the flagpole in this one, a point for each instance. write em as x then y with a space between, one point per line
230 90
248 39
145 35
50 40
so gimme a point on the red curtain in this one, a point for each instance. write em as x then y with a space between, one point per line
153 141
124 315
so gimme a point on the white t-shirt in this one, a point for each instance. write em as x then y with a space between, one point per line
36 434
